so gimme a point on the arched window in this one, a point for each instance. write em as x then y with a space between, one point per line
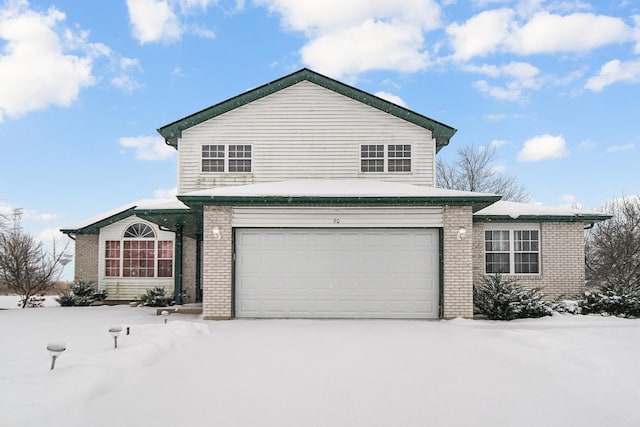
139 254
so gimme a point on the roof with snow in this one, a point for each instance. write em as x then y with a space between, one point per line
140 208
441 132
505 211
336 192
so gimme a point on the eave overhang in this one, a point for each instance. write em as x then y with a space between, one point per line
541 218
173 131
197 202
168 219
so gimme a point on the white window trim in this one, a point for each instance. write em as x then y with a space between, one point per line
116 231
385 159
225 160
511 227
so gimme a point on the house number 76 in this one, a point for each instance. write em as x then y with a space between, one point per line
336 220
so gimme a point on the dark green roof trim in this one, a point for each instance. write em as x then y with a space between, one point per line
170 219
541 218
198 201
441 132
95 227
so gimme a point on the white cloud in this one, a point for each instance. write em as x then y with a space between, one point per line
148 147
577 32
165 193
37 65
502 30
543 147
481 34
391 98
497 143
498 168
160 20
520 77
615 71
49 235
351 37
153 20
124 79
618 148
27 214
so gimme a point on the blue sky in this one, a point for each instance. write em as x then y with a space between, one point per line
553 85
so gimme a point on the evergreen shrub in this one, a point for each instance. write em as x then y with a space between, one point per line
613 300
157 297
503 299
82 294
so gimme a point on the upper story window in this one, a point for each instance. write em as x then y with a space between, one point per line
213 158
226 158
399 158
239 158
139 254
512 251
396 158
372 158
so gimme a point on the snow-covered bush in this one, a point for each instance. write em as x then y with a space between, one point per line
503 299
82 294
613 300
157 297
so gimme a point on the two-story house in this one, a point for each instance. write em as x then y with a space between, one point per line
306 197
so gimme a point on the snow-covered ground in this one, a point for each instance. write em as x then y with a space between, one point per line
558 371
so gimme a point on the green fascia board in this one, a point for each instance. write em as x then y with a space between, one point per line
197 202
441 132
541 218
96 226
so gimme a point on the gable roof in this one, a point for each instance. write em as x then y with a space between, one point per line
94 224
504 211
441 132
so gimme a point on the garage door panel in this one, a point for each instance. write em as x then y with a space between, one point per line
382 273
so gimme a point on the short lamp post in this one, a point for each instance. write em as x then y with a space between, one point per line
115 331
55 350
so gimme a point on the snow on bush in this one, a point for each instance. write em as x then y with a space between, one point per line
502 299
157 297
82 294
613 300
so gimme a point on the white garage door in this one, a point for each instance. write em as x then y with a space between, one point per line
337 273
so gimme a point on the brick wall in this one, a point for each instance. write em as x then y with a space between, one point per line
562 259
458 275
189 268
86 258
217 264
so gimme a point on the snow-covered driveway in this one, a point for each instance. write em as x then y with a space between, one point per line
565 370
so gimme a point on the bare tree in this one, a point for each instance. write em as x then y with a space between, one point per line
613 247
26 268
474 170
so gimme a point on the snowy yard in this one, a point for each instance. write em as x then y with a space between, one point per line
559 371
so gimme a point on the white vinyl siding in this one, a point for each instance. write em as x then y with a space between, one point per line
303 131
429 217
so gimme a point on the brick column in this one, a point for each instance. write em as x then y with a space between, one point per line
217 263
458 262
